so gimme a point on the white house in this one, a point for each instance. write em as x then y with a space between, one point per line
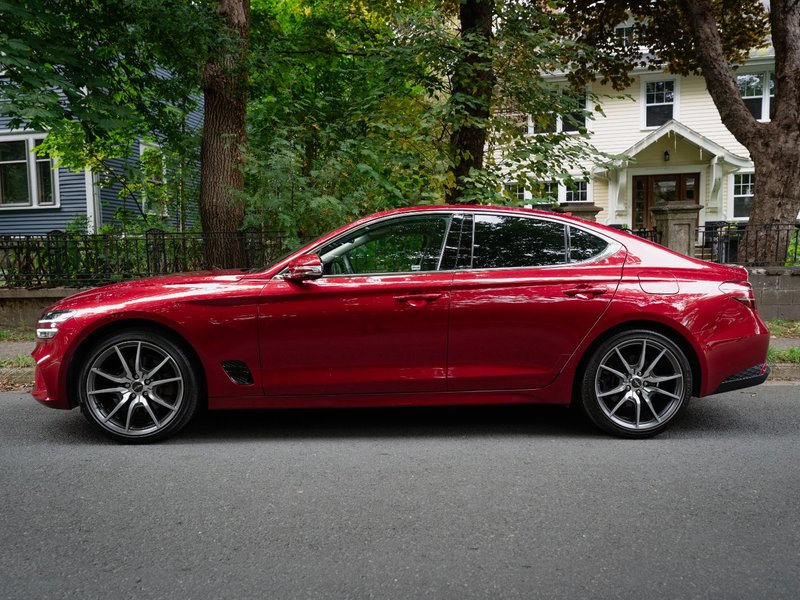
677 148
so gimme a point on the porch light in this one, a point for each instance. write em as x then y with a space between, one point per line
666 156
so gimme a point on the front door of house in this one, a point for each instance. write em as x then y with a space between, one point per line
649 190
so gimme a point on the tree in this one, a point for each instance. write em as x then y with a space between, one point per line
713 38
473 80
99 75
224 83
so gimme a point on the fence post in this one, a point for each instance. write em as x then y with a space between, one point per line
156 252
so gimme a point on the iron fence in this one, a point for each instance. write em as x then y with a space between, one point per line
724 242
68 259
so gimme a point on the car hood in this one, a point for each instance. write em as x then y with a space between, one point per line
175 286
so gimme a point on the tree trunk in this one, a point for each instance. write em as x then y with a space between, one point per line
776 202
471 98
224 139
775 146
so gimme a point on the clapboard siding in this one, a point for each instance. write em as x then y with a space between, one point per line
31 221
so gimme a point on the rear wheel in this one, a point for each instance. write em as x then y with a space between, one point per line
636 384
138 386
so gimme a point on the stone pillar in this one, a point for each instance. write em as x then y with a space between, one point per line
677 222
583 210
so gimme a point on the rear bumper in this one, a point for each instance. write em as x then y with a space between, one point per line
743 379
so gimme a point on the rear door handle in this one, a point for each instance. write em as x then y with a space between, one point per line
586 291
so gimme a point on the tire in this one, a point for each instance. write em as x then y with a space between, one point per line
137 386
636 384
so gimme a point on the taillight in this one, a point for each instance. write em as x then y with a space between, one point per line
741 291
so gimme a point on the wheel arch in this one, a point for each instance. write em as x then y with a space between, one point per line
82 348
670 332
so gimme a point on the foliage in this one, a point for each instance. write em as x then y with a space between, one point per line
663 29
16 335
782 328
790 355
101 75
352 109
20 361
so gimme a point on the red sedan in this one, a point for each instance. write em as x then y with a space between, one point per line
422 306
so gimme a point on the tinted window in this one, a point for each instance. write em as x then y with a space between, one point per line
509 241
584 245
397 246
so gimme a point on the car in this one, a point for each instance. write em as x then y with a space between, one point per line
436 305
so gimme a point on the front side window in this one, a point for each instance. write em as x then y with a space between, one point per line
744 189
504 241
404 245
659 102
26 179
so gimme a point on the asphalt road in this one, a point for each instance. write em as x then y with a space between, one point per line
505 502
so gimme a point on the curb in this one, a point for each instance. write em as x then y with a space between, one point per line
24 376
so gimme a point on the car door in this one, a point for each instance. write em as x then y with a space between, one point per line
530 290
376 322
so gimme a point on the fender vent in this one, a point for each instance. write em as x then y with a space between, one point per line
238 372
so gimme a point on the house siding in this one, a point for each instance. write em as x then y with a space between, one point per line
36 221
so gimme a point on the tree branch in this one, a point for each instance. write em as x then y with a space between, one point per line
717 72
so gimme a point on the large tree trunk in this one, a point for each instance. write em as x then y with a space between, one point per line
776 202
471 98
774 146
224 138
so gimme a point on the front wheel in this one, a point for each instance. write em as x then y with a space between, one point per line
636 384
138 386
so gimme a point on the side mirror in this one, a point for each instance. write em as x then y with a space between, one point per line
304 268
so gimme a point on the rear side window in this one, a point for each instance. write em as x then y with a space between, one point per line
583 245
507 241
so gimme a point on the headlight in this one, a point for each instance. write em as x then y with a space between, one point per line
48 324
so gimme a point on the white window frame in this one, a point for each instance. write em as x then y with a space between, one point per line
144 146
766 99
562 190
30 140
732 195
655 78
560 122
577 182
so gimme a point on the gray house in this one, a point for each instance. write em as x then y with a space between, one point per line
36 197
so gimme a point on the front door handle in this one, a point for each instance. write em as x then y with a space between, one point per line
418 299
586 291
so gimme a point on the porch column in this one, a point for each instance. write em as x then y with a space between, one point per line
677 222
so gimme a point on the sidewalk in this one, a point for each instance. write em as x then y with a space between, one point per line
17 378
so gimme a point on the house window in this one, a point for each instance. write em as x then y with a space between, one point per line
758 92
659 102
515 190
744 189
26 179
573 121
577 192
625 34
154 170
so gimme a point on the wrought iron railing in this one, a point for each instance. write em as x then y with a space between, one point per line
68 259
725 242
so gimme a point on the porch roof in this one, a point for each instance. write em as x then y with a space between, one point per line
673 127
